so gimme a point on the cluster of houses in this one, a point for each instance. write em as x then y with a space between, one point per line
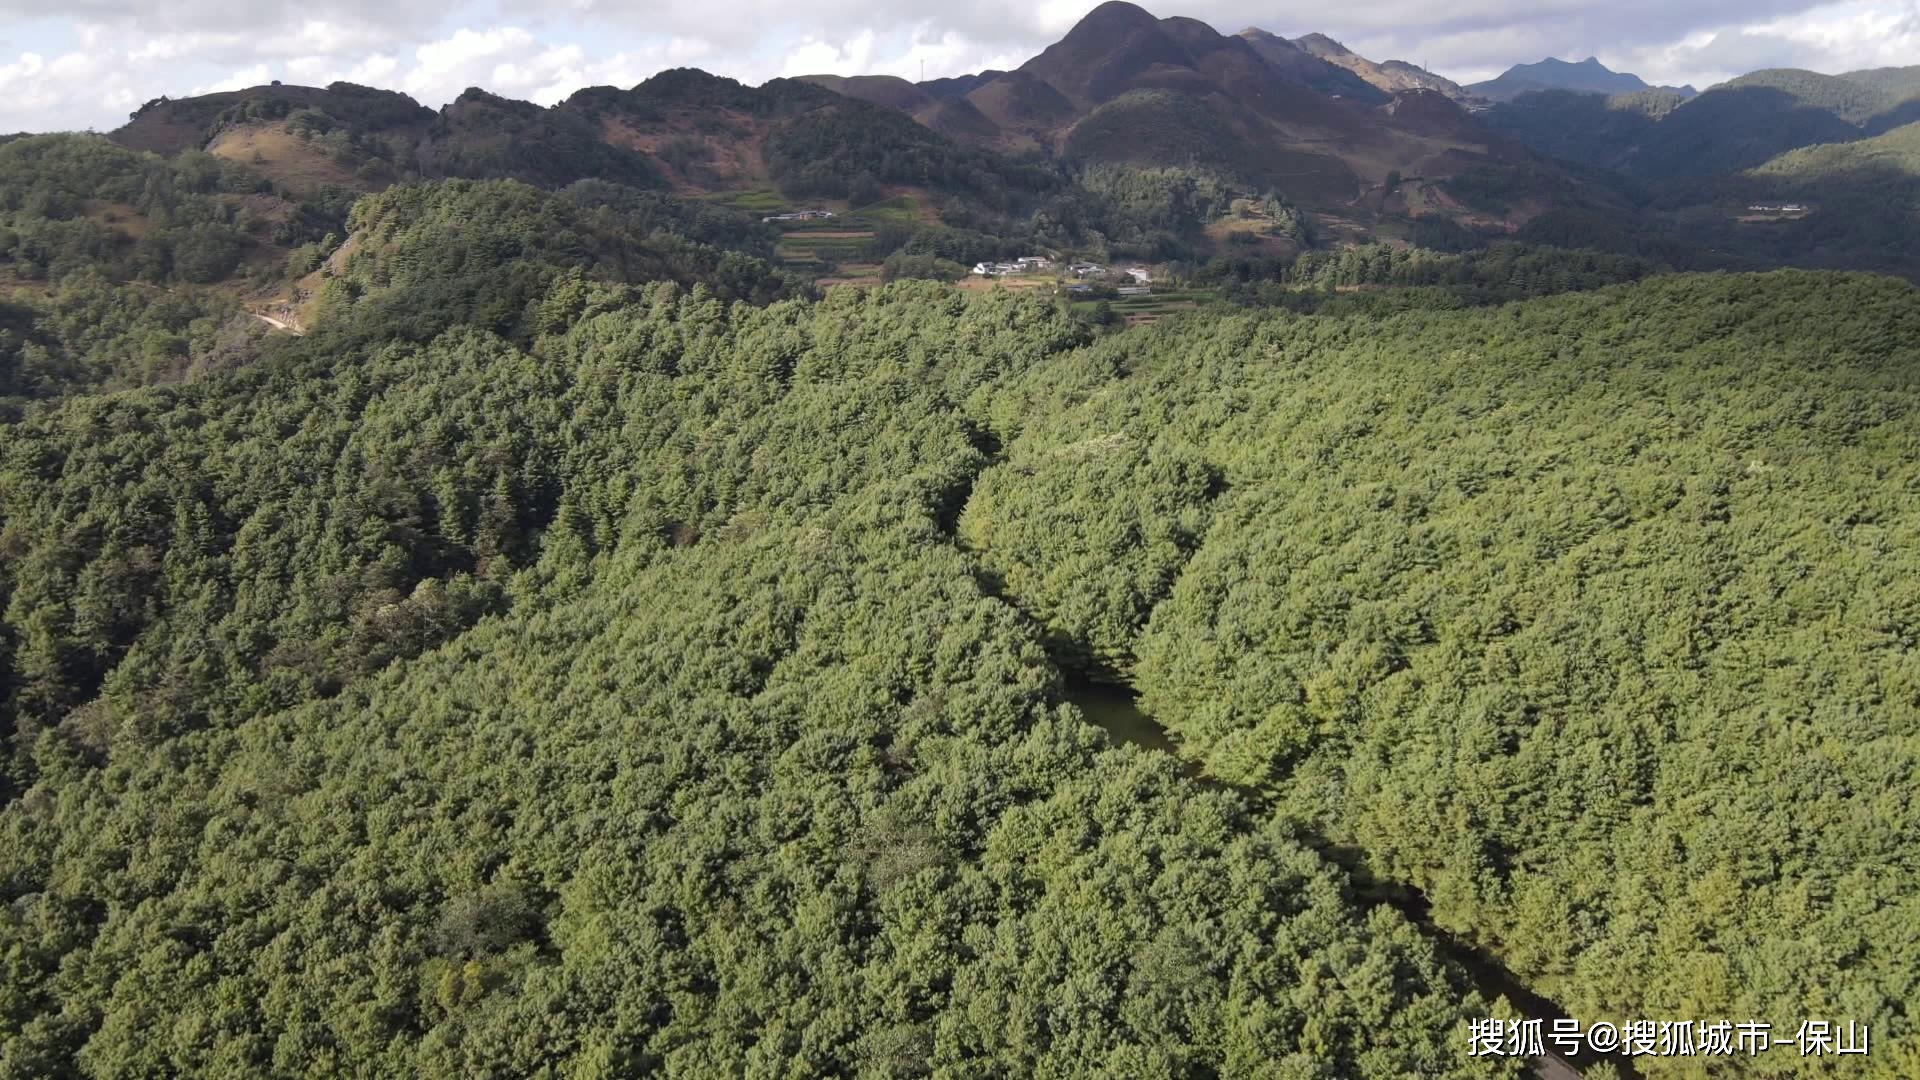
800 215
1770 208
1030 263
1026 264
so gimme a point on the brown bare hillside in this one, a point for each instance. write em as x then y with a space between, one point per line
288 160
1300 66
1020 101
959 119
121 217
1392 76
724 157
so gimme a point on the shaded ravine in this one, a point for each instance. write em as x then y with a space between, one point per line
1114 709
1112 706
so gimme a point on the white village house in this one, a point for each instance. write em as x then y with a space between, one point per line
1025 264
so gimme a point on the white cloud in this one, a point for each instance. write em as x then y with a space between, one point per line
950 54
511 61
925 49
1832 38
815 57
257 75
467 46
71 90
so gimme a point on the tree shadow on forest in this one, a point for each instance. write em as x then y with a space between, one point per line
1110 704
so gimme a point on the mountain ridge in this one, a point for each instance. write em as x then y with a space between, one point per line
1727 128
1390 76
1307 122
1121 87
1588 76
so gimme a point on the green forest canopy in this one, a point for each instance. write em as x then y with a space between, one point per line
712 756
1584 616
531 672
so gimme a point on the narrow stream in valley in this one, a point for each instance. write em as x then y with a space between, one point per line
1114 709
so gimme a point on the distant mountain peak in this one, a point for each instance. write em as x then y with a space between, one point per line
1315 43
1114 16
1257 37
1588 76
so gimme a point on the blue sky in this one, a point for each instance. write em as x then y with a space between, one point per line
97 60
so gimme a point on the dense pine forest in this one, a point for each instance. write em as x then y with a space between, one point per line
1588 617
619 704
682 687
566 640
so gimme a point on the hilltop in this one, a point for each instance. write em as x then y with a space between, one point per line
1174 91
1124 87
168 126
1589 76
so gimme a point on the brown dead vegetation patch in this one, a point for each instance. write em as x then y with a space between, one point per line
118 216
283 157
732 156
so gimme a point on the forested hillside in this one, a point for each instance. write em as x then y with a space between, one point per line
1588 617
110 277
88 333
1654 135
612 707
675 685
476 602
71 203
423 258
1892 158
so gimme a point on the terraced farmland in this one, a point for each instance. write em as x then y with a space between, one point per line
834 251
864 275
751 200
1140 310
812 250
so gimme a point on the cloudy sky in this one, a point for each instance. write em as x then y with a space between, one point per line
92 61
